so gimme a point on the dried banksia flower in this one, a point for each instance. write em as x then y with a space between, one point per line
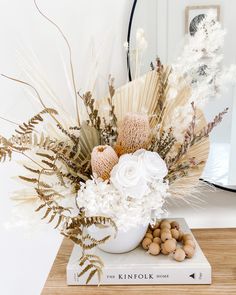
103 159
133 134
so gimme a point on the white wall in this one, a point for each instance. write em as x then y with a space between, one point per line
26 257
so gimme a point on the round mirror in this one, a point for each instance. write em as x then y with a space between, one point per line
165 24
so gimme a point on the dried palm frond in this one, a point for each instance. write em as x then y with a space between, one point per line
146 94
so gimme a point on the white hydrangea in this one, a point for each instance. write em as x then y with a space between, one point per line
102 198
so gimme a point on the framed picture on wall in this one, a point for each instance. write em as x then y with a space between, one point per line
194 14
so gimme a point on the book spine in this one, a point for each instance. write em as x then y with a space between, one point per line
193 275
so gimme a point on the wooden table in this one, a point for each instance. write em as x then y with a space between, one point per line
219 245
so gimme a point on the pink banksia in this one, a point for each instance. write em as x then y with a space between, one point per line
133 133
103 159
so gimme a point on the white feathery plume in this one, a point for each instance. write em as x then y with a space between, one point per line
200 64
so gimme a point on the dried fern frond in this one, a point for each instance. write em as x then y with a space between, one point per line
28 128
5 149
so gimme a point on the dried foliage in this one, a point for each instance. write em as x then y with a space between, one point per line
109 130
162 142
27 128
89 102
162 88
180 165
63 162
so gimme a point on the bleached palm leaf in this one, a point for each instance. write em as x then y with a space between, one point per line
138 96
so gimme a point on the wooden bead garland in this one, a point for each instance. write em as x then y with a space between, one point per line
163 237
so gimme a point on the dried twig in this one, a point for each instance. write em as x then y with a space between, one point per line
70 57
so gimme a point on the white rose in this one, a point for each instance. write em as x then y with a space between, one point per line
128 178
152 164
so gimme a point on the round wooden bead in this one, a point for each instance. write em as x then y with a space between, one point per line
165 236
165 224
156 225
146 242
149 235
157 233
157 240
173 239
163 250
180 236
189 251
179 254
165 230
190 243
174 233
175 224
187 237
170 245
154 249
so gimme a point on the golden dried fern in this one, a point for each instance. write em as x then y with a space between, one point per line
28 128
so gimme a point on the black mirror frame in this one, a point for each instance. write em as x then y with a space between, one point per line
128 39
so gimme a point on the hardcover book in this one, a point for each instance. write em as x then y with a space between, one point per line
139 267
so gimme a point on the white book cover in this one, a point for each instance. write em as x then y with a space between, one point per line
139 267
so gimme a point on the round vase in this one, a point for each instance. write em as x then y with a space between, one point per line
124 241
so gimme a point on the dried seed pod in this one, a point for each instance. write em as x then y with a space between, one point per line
145 243
190 243
157 240
149 235
189 251
163 250
157 233
179 254
165 224
175 233
166 236
133 134
175 224
187 237
154 249
103 159
180 236
170 245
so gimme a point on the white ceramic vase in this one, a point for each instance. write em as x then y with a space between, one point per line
124 241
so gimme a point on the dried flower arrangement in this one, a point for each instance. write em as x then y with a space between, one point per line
121 164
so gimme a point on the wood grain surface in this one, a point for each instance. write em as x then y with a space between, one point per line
219 246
